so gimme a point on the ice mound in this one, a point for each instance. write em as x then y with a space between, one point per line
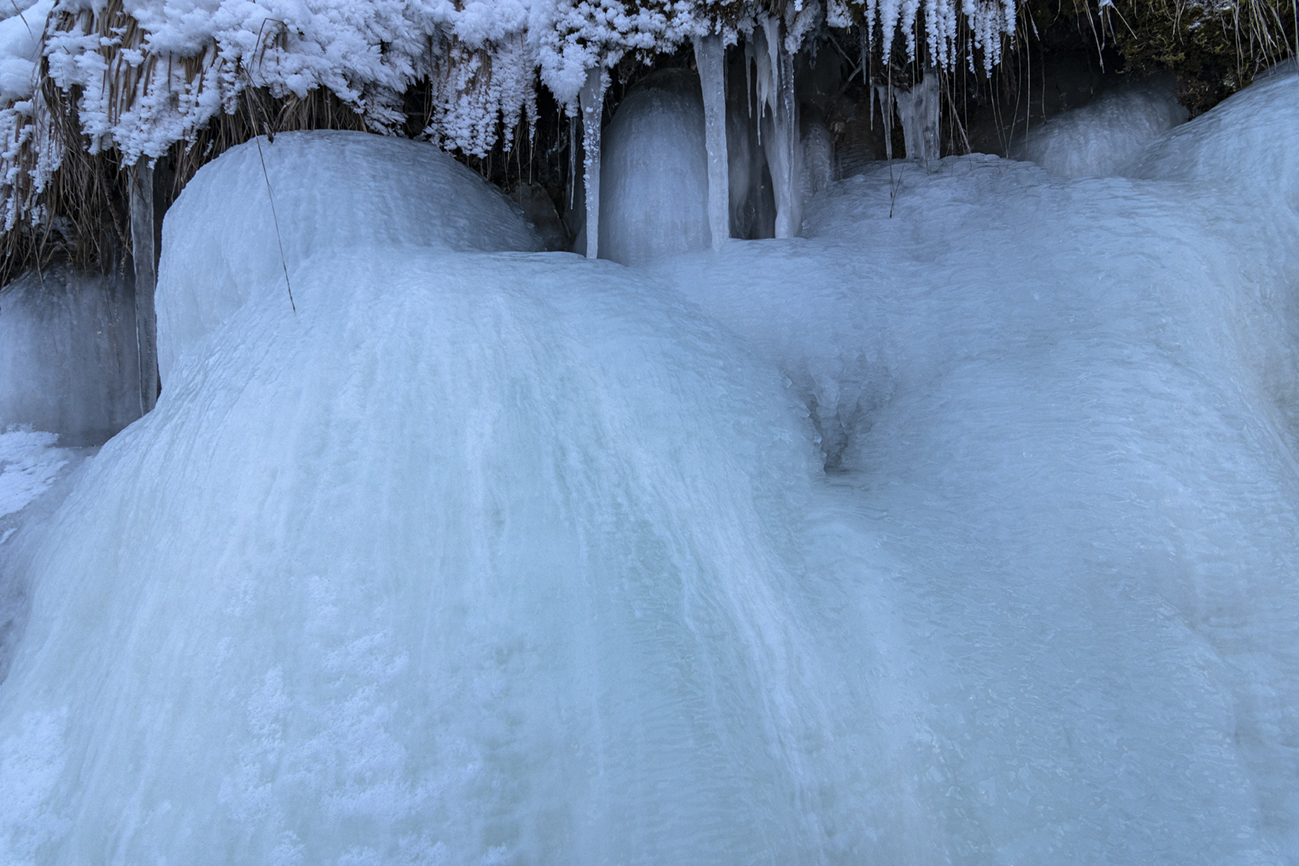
68 356
654 173
1245 145
1100 138
331 190
1061 406
479 558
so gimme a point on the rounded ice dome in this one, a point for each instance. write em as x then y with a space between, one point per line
1101 137
250 218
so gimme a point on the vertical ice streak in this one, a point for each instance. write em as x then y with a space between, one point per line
592 99
919 113
710 57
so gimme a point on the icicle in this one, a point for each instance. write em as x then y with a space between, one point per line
748 76
884 93
763 72
572 160
592 101
918 110
710 58
784 147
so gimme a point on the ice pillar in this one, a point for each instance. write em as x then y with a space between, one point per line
145 260
782 145
710 58
592 102
918 110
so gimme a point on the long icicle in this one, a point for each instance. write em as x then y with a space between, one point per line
710 58
592 102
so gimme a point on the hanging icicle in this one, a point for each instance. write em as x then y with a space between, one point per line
592 103
710 58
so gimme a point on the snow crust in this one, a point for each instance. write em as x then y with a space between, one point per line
1102 137
68 355
237 229
509 557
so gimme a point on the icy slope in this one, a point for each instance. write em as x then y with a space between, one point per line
475 557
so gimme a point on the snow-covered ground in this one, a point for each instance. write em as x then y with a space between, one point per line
960 530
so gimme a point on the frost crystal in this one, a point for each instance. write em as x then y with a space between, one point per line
145 74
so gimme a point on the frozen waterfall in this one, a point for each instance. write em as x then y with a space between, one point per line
961 529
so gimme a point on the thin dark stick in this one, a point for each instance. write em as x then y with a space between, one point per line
274 218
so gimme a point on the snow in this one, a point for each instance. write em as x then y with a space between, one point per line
491 556
20 49
29 464
1102 137
654 176
68 355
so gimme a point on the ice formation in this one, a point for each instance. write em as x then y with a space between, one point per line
654 179
154 73
488 556
919 111
274 193
710 58
1074 426
68 355
482 570
1099 139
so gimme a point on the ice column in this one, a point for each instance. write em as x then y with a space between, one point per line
592 101
918 111
782 145
145 260
710 57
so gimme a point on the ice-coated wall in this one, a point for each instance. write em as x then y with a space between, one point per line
1101 138
68 355
654 172
267 206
